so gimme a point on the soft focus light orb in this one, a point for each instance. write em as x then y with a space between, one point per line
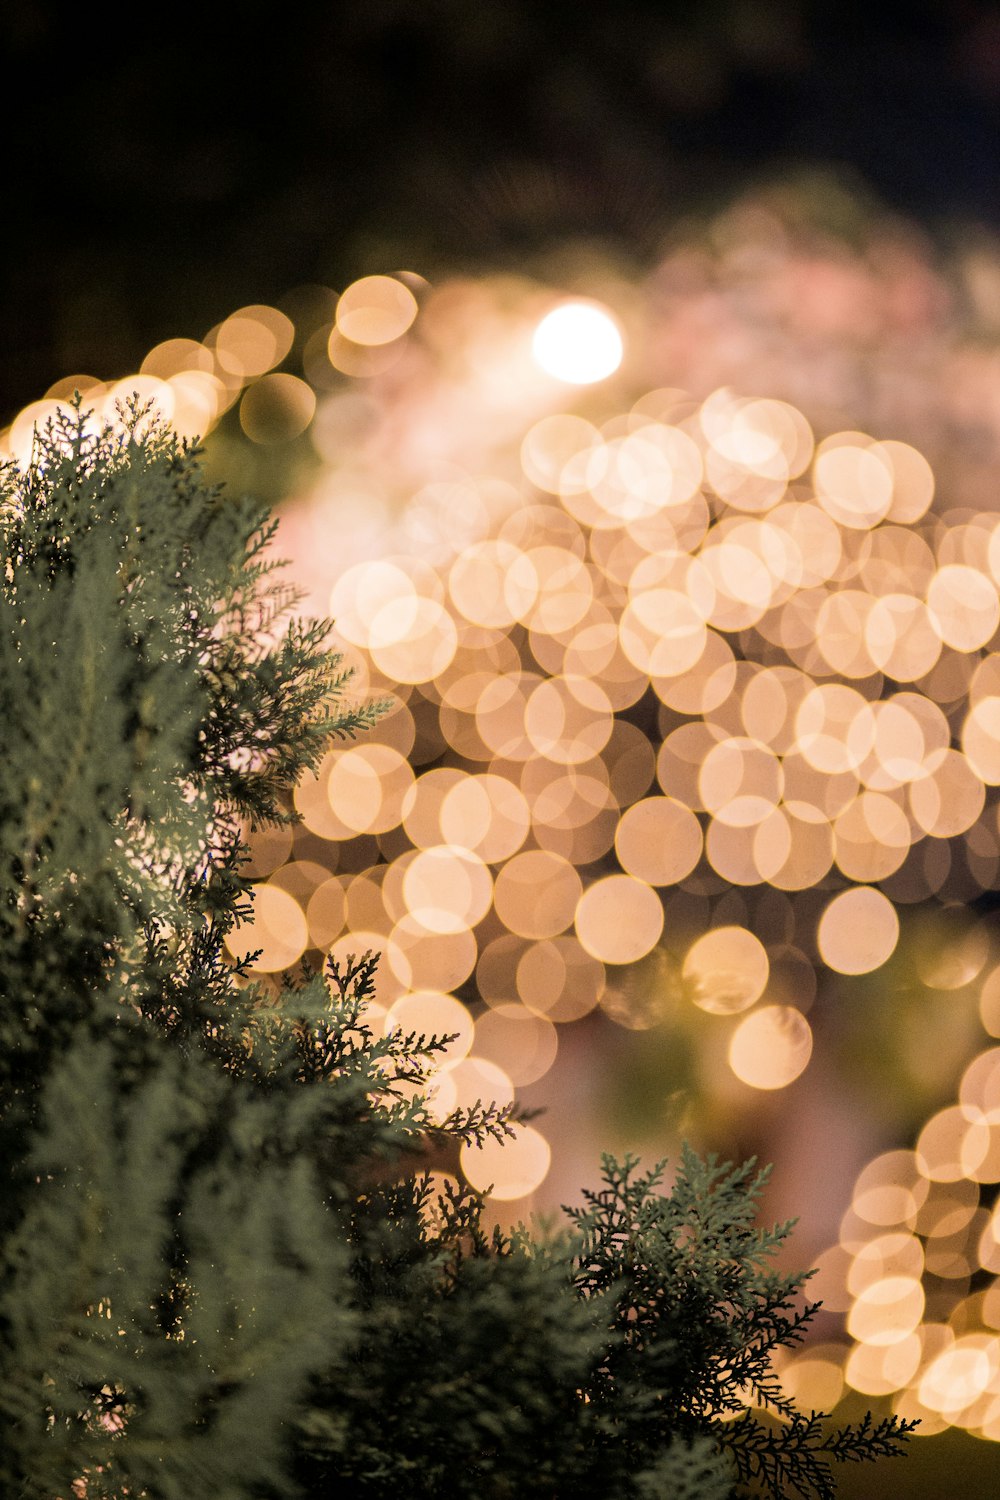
619 919
858 931
815 1380
447 888
431 1013
277 931
887 1311
578 342
726 970
522 1043
375 310
508 1169
956 1377
277 408
771 1047
880 1369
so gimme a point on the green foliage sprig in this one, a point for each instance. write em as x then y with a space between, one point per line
223 1269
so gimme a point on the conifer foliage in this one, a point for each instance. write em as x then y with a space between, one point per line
221 1272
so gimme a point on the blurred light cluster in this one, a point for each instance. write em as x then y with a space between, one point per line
691 658
682 690
194 383
915 1268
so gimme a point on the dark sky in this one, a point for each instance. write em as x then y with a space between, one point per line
154 181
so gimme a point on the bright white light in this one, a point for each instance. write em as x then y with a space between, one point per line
579 343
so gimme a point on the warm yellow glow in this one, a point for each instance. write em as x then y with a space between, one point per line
429 1013
522 1043
814 1379
277 927
959 1375
890 1190
726 970
887 1310
375 310
251 341
447 888
619 919
579 343
658 840
514 1167
771 1047
367 786
536 893
277 408
878 1369
558 978
858 931
326 912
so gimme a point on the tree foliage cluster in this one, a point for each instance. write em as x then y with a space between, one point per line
222 1270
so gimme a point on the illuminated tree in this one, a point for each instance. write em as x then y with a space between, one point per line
221 1275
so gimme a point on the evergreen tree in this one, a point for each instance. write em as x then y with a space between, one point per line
222 1273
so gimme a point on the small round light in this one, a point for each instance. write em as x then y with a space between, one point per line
579 343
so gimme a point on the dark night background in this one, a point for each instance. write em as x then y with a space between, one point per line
160 173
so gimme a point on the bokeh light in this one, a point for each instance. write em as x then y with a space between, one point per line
771 1047
726 970
619 919
513 1168
375 310
278 929
858 931
579 343
697 725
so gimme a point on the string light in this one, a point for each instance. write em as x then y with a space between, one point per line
649 661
